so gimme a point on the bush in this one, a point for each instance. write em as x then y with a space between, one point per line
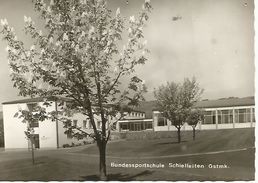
66 145
147 135
79 144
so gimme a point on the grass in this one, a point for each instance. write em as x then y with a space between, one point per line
206 141
83 164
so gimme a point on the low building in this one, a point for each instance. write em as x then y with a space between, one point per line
48 134
219 114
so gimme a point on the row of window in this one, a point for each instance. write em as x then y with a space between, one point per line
136 114
136 126
86 124
226 116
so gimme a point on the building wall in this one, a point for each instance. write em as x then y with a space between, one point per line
47 130
51 133
82 122
221 118
13 128
134 115
64 139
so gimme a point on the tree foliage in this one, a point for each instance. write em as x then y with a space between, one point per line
78 56
31 117
195 116
176 100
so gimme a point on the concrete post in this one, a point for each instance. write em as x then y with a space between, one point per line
155 119
216 118
118 126
251 116
234 119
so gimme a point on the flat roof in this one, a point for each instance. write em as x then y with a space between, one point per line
36 99
148 106
226 102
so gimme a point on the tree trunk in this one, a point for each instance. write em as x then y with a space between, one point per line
193 133
178 135
32 150
102 160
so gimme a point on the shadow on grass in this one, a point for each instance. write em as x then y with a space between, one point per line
118 176
165 143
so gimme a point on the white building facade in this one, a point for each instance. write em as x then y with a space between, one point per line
219 114
48 134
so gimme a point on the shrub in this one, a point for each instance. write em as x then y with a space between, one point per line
147 135
66 145
79 144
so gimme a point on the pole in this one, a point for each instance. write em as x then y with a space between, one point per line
32 149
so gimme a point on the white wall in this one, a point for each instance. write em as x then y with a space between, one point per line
63 139
47 130
243 125
14 135
14 128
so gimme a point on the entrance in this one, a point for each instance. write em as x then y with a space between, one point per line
36 140
137 127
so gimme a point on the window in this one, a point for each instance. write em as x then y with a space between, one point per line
31 106
243 115
248 115
69 123
124 126
148 125
34 124
209 117
162 121
75 122
84 123
226 116
253 115
69 135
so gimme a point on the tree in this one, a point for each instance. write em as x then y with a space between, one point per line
176 100
1 130
31 117
80 55
195 116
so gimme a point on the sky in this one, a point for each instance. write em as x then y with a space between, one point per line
211 40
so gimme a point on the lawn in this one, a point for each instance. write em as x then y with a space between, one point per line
206 141
82 163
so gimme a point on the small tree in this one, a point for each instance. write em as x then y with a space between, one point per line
1 131
195 116
82 54
31 116
176 100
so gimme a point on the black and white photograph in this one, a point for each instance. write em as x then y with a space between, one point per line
127 90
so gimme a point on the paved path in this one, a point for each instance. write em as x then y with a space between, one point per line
68 152
167 156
